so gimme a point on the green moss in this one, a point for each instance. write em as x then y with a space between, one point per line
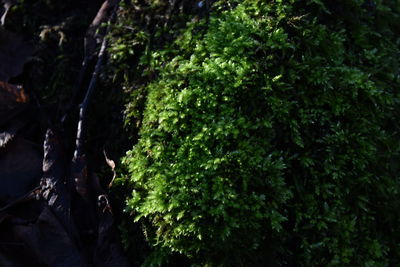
271 138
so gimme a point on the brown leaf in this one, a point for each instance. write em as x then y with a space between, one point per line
11 95
111 164
13 100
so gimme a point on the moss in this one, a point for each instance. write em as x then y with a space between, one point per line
269 136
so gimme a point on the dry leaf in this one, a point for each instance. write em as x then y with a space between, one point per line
111 164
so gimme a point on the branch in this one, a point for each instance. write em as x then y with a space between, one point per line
93 81
90 42
84 106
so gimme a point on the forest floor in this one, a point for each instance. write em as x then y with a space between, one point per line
53 206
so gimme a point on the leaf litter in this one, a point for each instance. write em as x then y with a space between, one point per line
53 211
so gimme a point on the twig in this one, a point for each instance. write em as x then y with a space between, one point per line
8 4
90 42
93 81
84 106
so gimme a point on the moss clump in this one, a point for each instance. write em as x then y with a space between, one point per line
270 136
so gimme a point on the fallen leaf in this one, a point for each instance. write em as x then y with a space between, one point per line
111 164
11 95
20 168
10 132
14 53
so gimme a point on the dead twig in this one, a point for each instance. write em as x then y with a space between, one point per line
93 82
84 106
91 40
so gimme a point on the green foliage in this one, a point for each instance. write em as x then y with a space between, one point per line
270 136
137 43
